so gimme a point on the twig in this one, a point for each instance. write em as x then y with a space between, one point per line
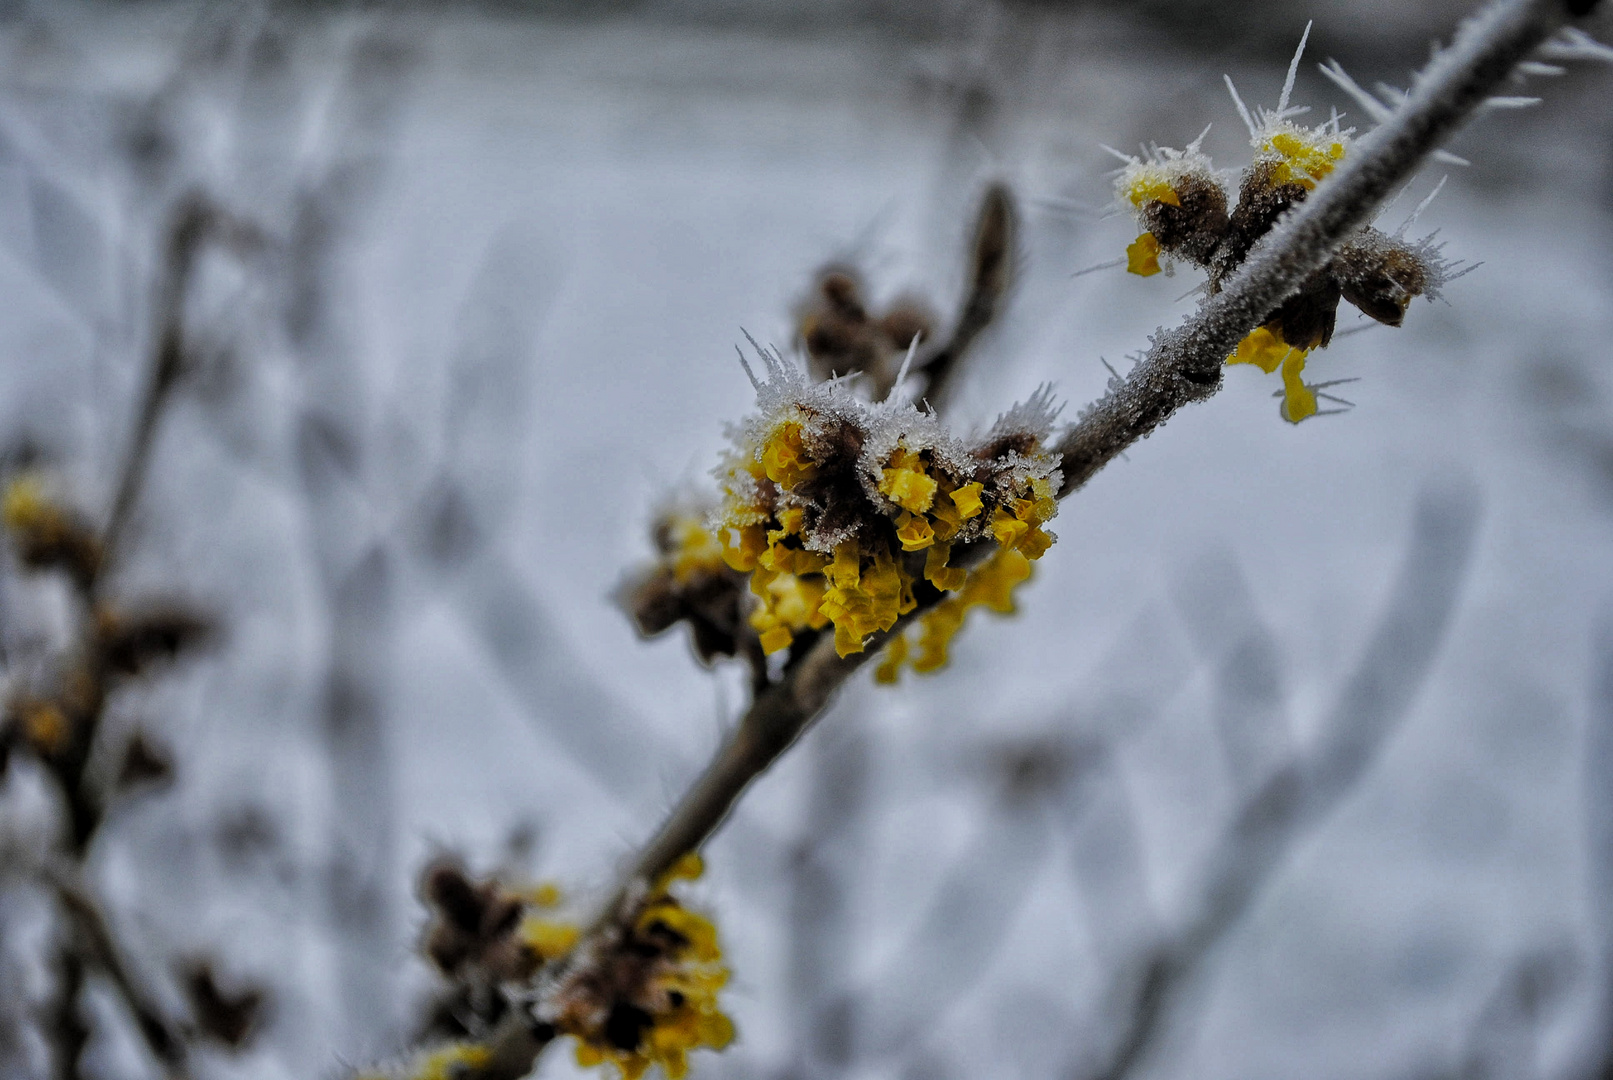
991 272
194 221
1184 365
1371 706
165 1042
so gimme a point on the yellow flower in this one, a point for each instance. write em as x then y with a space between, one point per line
741 544
1151 187
548 938
784 457
1305 156
1266 349
991 585
1142 256
1263 348
967 500
914 533
661 1002
911 489
1299 400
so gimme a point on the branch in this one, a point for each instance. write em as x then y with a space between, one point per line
991 273
165 1042
1374 701
195 220
1184 365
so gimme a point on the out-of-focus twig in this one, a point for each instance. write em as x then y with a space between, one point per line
1372 704
991 273
165 1041
88 942
194 221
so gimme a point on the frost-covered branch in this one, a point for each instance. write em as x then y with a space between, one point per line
1184 364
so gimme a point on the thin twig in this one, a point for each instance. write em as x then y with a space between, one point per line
98 945
89 942
1184 365
1292 799
991 273
193 222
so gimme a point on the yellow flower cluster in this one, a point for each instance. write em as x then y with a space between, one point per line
868 581
693 548
990 586
1303 155
661 983
45 533
1185 209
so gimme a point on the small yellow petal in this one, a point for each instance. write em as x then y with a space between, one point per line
1299 400
1263 348
776 640
967 500
1142 256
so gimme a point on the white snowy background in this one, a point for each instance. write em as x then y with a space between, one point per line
511 251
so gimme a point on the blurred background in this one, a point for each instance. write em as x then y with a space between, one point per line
1297 760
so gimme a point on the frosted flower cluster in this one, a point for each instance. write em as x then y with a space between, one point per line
842 511
1186 212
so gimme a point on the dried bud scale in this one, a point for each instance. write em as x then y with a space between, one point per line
689 582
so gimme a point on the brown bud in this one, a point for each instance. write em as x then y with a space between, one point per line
143 763
1194 228
130 643
231 1018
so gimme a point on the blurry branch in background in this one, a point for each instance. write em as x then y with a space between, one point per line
991 273
349 505
1184 365
822 866
842 337
55 711
1503 1039
1290 801
1597 782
